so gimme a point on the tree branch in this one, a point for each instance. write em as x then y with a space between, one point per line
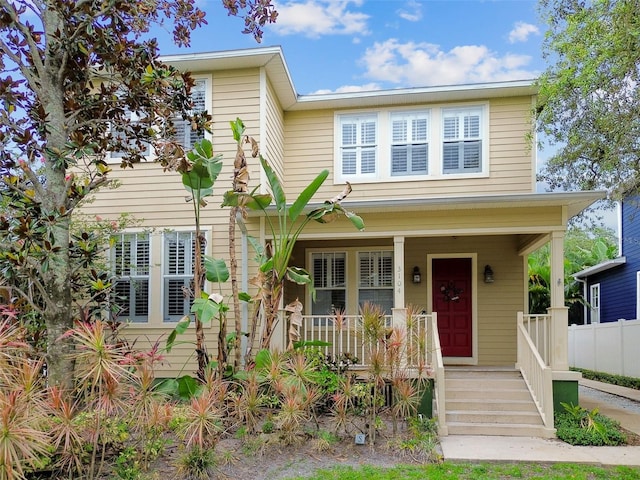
27 297
36 60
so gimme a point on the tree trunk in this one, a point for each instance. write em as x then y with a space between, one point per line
198 281
233 270
271 314
58 315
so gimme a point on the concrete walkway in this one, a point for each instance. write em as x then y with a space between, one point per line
472 448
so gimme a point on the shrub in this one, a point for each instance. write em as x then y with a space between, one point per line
579 426
621 380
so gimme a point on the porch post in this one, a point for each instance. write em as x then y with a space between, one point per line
399 312
559 313
398 280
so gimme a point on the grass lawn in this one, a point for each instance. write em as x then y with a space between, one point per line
457 471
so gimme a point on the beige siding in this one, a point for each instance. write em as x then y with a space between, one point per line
273 145
157 199
309 148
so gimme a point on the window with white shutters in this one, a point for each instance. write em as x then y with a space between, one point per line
130 260
409 143
462 140
358 145
177 269
329 280
122 136
375 279
185 135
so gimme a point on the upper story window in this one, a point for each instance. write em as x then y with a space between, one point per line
402 144
409 143
130 260
127 140
358 144
462 140
185 135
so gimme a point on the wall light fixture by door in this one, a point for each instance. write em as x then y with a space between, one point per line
417 277
488 274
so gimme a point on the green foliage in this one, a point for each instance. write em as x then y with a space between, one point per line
579 426
197 463
588 102
582 249
422 443
127 465
629 382
285 227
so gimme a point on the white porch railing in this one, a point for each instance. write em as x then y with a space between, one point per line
535 371
438 369
539 329
345 335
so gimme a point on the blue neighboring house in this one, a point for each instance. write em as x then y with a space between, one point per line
612 288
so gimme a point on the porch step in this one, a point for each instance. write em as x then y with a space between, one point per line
511 430
490 401
499 405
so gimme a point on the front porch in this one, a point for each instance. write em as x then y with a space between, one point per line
516 399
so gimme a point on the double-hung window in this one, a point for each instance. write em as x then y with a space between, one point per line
462 140
329 280
130 260
594 300
185 135
126 138
178 263
375 282
358 145
409 143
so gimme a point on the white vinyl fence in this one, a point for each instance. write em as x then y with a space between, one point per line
612 347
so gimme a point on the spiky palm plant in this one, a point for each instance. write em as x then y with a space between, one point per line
22 441
66 438
202 423
103 370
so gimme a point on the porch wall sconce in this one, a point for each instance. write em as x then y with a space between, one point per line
417 277
488 274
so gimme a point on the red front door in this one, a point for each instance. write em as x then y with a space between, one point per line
452 302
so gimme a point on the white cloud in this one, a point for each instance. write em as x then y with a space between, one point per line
350 89
315 18
424 64
521 32
412 12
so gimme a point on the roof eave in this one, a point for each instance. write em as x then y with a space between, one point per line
600 267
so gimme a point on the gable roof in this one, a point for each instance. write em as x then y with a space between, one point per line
272 60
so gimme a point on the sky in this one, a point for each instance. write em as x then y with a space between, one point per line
353 45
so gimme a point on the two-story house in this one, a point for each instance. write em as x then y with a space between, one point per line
444 178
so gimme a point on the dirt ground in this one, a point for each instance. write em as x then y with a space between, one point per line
264 458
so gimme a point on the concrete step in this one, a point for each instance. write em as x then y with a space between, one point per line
462 372
491 401
493 417
498 405
514 430
485 383
487 395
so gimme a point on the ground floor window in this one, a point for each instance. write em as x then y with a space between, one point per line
594 301
152 275
345 280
